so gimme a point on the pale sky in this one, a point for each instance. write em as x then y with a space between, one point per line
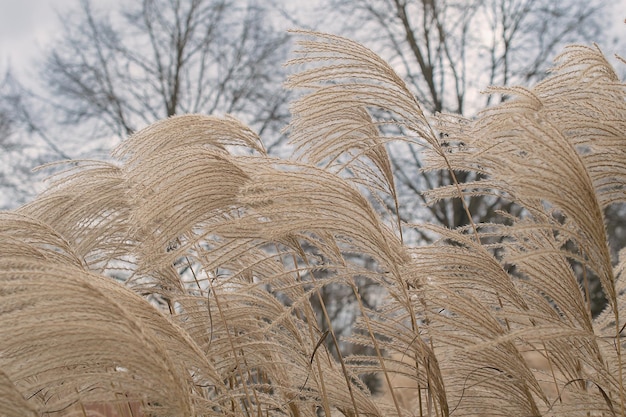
27 26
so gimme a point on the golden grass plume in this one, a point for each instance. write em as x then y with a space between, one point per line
181 275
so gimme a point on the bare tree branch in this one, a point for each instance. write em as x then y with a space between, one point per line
157 58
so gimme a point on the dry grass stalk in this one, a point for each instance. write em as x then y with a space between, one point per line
218 250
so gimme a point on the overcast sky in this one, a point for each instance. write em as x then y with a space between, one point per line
26 26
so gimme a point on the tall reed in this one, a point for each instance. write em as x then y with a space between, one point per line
182 275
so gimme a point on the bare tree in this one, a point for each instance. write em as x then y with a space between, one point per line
6 183
111 73
156 58
447 52
21 147
17 158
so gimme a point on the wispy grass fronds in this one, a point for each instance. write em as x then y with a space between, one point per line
183 276
11 400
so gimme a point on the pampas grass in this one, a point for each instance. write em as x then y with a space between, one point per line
182 276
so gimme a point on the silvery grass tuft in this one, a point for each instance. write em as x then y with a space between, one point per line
181 277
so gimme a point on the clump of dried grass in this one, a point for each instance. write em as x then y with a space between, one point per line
218 250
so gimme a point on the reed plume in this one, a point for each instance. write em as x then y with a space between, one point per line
182 275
